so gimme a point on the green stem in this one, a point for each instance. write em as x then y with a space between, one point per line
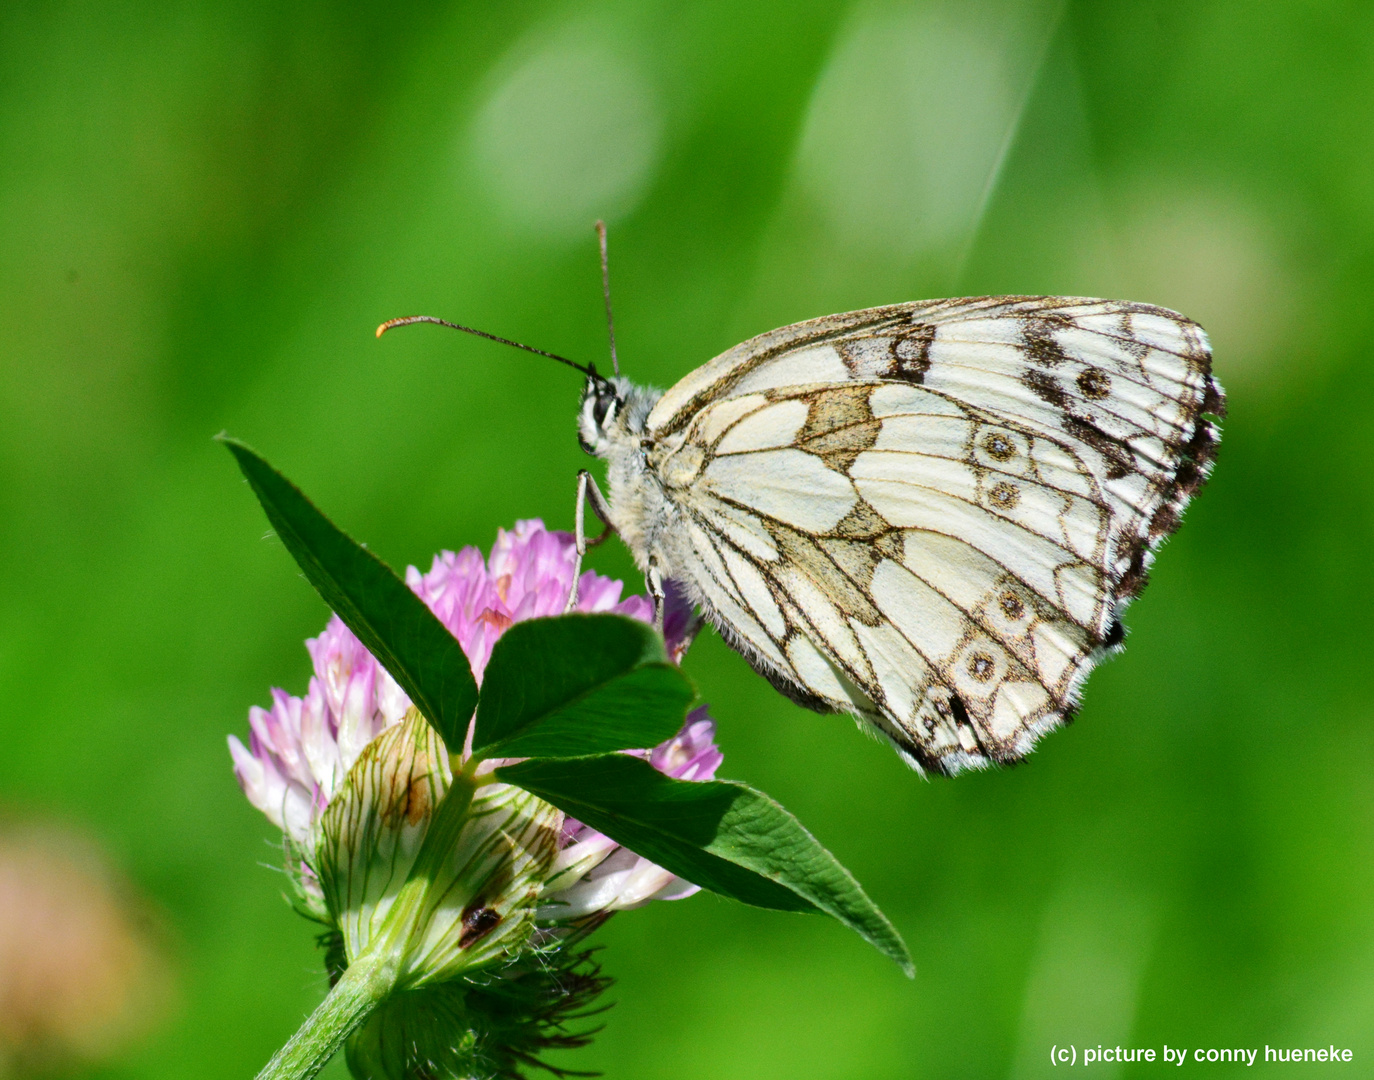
360 989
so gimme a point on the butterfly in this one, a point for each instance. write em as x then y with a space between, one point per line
929 515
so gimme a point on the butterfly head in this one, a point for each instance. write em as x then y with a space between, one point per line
612 410
603 407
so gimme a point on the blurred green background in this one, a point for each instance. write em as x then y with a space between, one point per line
206 208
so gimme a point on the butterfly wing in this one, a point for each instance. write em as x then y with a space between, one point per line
931 514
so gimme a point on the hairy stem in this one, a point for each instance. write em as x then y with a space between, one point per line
360 989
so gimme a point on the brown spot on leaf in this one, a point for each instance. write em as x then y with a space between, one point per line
478 922
417 800
408 804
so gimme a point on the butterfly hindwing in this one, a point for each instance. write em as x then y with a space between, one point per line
930 514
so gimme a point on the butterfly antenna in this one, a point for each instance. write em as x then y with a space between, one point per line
606 292
407 320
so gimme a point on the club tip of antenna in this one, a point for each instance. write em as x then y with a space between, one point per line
404 320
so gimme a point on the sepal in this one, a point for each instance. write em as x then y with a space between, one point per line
486 1025
433 877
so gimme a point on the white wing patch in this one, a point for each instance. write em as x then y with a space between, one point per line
765 429
820 364
790 485
931 515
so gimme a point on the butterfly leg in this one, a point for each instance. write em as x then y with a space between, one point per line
654 579
586 489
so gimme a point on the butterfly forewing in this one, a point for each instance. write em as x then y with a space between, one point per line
930 514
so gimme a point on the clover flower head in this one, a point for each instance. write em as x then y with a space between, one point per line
301 750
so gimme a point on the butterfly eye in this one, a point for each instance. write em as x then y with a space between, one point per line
602 409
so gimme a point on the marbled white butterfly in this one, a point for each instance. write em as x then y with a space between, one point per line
929 515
